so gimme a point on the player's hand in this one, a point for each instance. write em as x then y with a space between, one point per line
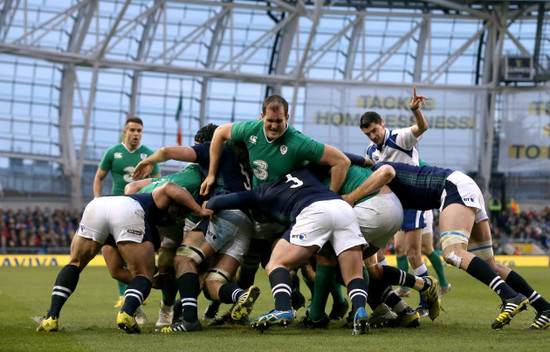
206 184
417 100
142 169
348 199
206 213
368 162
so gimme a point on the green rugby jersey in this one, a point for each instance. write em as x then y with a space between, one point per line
355 177
189 178
122 163
272 159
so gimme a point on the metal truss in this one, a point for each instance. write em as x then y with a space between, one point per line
295 60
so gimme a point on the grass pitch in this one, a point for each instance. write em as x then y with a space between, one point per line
88 321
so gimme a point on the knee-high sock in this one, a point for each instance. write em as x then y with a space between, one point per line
137 291
230 292
325 275
518 283
357 292
65 284
189 288
479 269
280 282
403 263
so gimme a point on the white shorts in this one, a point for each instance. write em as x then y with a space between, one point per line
379 218
229 232
119 216
429 220
328 220
461 189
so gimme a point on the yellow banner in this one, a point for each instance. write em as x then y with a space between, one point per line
11 260
28 260
507 260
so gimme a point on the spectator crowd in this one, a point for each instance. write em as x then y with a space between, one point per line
46 229
41 229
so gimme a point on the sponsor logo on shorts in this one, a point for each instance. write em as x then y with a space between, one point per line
300 236
468 199
118 155
253 139
81 228
135 232
284 149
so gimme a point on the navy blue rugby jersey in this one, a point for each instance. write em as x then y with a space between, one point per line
282 199
231 175
418 187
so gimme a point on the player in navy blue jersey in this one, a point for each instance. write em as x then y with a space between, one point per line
128 221
227 234
466 235
315 215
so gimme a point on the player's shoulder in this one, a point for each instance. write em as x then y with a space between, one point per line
144 149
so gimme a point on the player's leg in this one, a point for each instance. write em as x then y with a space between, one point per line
82 251
402 261
481 245
140 258
456 222
433 257
284 257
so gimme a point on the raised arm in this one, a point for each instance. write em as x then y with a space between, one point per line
339 164
145 167
221 135
421 123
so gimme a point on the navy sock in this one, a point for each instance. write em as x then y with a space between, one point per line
395 276
281 288
137 291
230 292
357 292
189 287
519 284
65 284
482 271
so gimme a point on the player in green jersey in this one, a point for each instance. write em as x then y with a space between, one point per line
121 160
275 148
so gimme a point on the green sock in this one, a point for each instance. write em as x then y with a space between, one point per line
324 276
336 292
121 288
366 276
403 264
310 284
438 267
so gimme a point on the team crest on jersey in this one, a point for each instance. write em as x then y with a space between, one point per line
143 156
118 155
253 139
284 149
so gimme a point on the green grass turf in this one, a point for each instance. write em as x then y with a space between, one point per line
88 319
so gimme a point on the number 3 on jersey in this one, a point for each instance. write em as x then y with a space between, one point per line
297 182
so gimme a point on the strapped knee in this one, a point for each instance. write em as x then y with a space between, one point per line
191 252
218 275
450 238
483 249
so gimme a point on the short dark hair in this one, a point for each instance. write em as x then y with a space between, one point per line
205 133
369 118
134 119
273 102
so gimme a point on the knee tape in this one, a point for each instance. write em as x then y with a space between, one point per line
218 275
483 249
191 252
453 259
450 238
